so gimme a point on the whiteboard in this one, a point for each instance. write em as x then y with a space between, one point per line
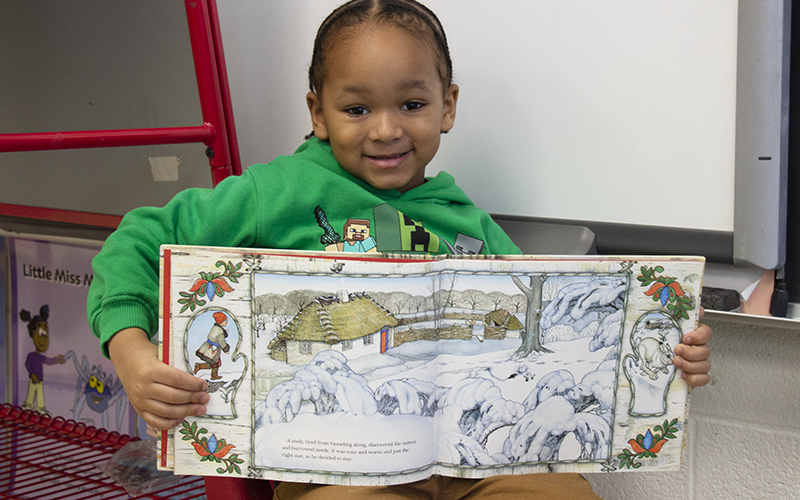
615 111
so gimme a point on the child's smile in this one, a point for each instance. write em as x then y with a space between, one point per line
389 161
382 106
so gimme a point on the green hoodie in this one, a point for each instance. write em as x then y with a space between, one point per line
300 202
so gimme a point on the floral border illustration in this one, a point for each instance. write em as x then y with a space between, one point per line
211 449
666 290
210 285
648 445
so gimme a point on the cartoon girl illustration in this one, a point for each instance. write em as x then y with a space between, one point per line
34 363
210 350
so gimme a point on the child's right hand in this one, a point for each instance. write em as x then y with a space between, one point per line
162 395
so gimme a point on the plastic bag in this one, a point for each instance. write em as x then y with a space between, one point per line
134 468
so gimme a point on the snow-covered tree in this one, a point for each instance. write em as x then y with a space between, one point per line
435 301
450 282
270 303
296 300
400 302
574 301
394 302
469 412
517 302
416 304
556 383
593 433
476 408
408 397
473 298
607 334
558 407
577 302
531 334
595 392
280 322
538 436
328 383
497 300
260 324
456 448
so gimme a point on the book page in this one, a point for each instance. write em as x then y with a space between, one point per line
349 370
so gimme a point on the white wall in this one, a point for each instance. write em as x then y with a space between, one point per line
743 429
628 106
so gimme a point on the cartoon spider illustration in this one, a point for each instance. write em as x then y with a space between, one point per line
99 391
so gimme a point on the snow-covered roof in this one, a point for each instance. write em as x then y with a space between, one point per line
501 315
330 320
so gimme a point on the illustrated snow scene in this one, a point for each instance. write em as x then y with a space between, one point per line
353 370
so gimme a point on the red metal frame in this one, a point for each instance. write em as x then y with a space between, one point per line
56 215
27 438
217 132
32 436
224 90
52 458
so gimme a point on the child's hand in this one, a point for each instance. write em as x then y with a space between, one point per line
692 355
162 395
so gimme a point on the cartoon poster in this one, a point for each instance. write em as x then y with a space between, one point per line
56 364
375 370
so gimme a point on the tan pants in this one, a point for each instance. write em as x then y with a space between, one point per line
35 393
560 486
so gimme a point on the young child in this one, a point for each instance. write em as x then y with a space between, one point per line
381 96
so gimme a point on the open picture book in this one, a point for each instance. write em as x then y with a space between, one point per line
374 369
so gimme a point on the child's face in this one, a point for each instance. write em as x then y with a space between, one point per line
382 106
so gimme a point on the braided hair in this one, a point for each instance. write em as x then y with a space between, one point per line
409 15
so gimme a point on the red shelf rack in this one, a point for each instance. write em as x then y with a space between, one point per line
217 131
45 458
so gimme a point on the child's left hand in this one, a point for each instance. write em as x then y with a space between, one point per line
691 356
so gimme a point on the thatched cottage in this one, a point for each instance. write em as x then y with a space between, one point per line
499 323
351 323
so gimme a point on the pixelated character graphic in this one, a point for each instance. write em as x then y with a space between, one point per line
210 350
397 232
34 363
330 236
357 237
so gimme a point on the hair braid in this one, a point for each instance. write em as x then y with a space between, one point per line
407 14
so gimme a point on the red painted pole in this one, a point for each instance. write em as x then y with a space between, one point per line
225 91
103 138
56 215
208 86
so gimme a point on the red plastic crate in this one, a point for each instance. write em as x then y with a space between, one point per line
44 457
